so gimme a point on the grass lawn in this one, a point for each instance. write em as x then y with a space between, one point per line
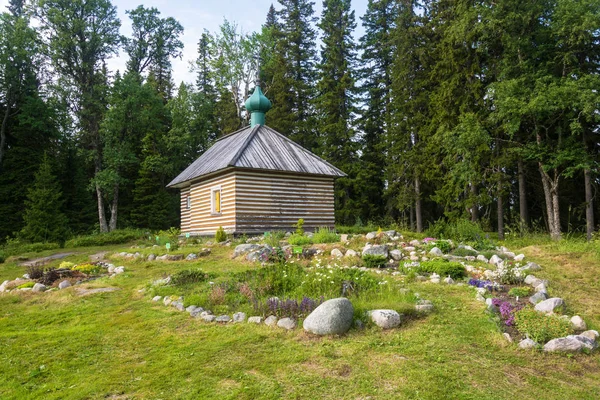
120 345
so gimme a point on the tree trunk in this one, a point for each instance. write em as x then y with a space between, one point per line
418 205
113 209
474 209
555 209
101 215
411 218
523 212
500 213
552 206
589 204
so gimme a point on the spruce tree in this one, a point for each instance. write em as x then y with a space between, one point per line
44 220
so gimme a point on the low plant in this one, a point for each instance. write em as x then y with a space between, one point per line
277 256
2 257
66 265
507 311
26 285
541 327
88 269
220 235
273 238
288 307
35 271
50 275
15 247
188 276
488 254
462 252
443 245
300 227
508 273
374 261
325 235
118 236
489 285
443 268
519 291
217 295
299 240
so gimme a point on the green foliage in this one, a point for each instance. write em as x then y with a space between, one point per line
443 245
26 285
2 257
66 265
15 247
520 291
44 222
325 235
190 276
88 269
462 252
296 239
273 238
118 236
374 261
300 227
541 327
443 268
220 235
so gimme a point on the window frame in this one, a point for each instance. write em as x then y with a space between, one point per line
213 208
188 202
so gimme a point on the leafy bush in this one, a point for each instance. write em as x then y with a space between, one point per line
462 230
520 291
507 311
325 235
35 271
488 254
88 269
273 238
190 276
2 257
15 247
66 265
220 235
300 227
118 236
462 252
26 285
443 245
299 240
374 261
443 268
541 327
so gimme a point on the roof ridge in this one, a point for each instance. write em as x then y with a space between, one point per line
232 133
244 145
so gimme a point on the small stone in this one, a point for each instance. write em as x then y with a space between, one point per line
541 288
449 281
157 298
167 301
337 253
64 284
119 270
344 237
271 320
111 269
527 344
286 323
509 254
191 256
376 250
434 278
536 298
578 323
38 287
190 308
519 258
591 334
208 317
358 324
482 258
531 279
414 243
255 320
196 312
495 260
223 318
420 278
549 305
371 235
351 253
244 249
531 266
424 308
479 297
396 255
436 252
385 319
507 337
151 257
570 344
178 305
239 317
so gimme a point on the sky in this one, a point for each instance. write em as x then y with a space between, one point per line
196 16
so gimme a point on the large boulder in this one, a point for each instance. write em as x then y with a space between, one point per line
351 253
578 323
337 253
396 255
549 305
536 298
371 235
333 317
570 344
38 287
436 252
377 250
64 284
245 248
385 319
495 260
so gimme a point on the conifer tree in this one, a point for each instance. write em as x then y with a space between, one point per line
44 221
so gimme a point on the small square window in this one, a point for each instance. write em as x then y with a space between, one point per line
216 200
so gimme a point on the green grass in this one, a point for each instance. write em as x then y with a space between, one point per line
121 345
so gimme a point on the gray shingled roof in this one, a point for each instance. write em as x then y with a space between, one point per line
258 147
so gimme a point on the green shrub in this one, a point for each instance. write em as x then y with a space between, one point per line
88 269
443 268
26 285
520 291
300 227
190 276
299 240
462 252
2 257
66 265
220 235
273 238
467 231
374 261
118 236
325 235
15 247
541 327
488 254
443 245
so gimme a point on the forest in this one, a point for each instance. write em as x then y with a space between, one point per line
443 110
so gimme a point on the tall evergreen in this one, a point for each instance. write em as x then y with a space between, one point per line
44 221
335 101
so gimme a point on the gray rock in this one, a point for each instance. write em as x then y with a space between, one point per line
509 254
190 308
3 287
532 280
415 243
191 256
424 308
223 318
371 235
151 257
196 312
578 323
591 334
271 320
385 319
541 288
536 298
286 323
376 250
162 258
549 305
390 234
436 252
351 253
570 344
495 260
157 298
208 317
64 284
174 257
111 269
519 257
38 287
434 278
332 317
178 305
239 317
507 337
244 249
449 280
119 270
258 255
396 255
482 258
527 344
255 320
344 237
167 301
337 253
531 266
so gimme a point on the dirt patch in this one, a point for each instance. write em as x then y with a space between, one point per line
45 260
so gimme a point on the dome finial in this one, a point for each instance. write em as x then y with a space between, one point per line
257 104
